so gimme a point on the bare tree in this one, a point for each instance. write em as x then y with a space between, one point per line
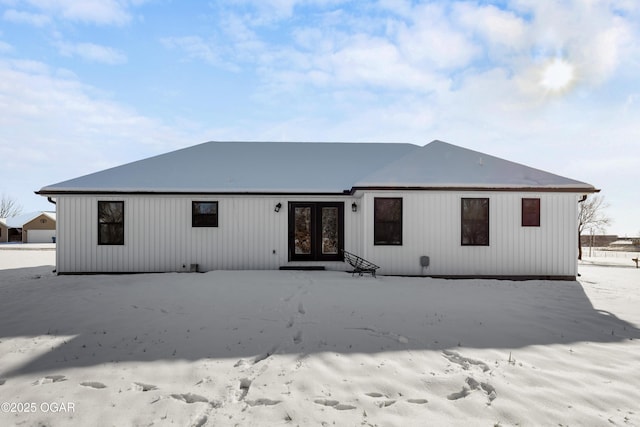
591 216
9 207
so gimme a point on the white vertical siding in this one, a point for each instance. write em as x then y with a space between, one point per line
159 236
431 226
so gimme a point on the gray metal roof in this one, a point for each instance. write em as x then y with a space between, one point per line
439 164
289 167
280 167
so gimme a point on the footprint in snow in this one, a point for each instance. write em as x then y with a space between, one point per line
381 403
418 401
301 309
374 394
200 421
343 407
2 381
245 384
465 362
263 402
190 398
297 339
290 322
93 384
326 402
241 363
334 404
144 387
385 403
489 390
208 379
459 395
50 379
263 356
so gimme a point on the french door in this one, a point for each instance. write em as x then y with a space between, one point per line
316 231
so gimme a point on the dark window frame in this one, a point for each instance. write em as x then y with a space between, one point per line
119 240
378 223
477 225
531 213
199 220
316 231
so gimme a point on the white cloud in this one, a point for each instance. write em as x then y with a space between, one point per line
92 52
591 35
430 38
5 47
195 47
60 128
35 19
499 28
266 12
103 12
605 52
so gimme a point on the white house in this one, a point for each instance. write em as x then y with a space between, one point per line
267 205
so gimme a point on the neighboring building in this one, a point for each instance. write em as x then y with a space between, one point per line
258 205
40 229
597 240
610 242
34 227
625 244
4 231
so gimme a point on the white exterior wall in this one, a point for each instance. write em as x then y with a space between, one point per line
432 227
159 237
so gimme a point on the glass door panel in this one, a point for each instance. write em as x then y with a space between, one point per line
329 231
302 231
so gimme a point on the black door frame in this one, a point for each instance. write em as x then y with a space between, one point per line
316 231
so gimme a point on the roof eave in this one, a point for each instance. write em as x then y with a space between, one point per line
323 192
532 189
60 192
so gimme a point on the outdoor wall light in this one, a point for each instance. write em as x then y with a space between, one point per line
277 208
354 207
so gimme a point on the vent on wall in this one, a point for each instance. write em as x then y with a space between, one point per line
424 262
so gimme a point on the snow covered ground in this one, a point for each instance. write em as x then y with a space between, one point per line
315 348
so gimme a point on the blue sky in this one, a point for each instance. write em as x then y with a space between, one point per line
86 85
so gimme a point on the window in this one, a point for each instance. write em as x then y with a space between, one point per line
475 222
110 223
204 214
531 212
387 221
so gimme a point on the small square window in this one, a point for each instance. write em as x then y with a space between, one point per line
110 223
387 221
475 222
531 212
204 214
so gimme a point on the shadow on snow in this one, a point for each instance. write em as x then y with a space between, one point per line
79 321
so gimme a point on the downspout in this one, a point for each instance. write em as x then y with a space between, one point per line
50 200
582 199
